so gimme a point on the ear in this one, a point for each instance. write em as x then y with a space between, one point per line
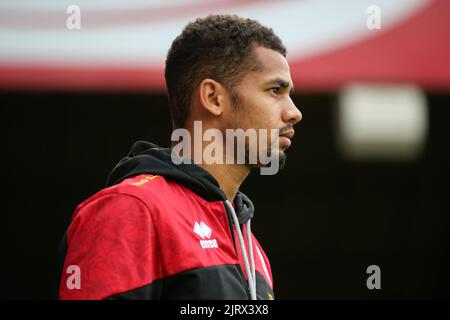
212 96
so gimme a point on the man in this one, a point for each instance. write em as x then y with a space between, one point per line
170 229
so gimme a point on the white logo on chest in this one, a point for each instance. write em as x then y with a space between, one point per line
204 232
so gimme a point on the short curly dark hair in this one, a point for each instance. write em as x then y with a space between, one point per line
218 47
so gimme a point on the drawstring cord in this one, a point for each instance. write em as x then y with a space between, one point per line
250 272
252 257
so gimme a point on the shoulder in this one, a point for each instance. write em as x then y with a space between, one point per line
127 204
143 189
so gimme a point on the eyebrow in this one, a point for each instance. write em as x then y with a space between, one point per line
282 83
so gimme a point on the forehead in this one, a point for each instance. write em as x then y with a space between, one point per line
273 65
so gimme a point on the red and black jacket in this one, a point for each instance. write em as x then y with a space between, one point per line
160 230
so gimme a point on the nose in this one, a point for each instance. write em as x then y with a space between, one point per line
291 113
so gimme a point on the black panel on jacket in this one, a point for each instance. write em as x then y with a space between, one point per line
224 282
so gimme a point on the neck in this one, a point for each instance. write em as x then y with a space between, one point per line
229 177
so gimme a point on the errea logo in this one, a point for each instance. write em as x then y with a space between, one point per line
204 231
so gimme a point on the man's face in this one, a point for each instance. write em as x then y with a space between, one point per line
264 102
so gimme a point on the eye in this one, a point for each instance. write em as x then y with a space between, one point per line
275 90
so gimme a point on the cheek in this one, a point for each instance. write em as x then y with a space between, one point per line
261 112
264 113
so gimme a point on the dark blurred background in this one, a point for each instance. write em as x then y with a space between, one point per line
322 220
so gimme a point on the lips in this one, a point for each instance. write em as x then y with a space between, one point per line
288 134
285 138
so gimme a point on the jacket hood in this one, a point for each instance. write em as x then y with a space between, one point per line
146 157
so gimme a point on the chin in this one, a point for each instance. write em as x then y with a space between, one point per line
281 162
282 159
